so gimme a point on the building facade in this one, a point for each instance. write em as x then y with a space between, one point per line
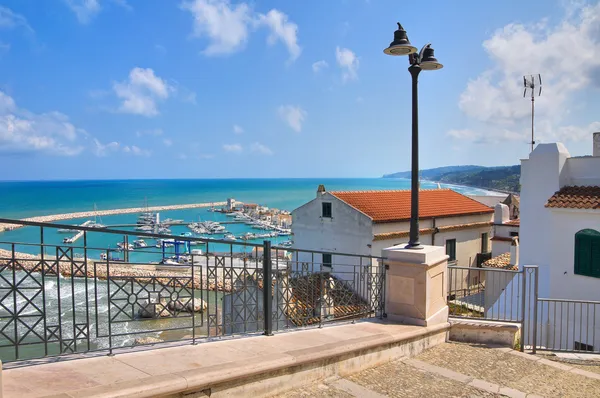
365 222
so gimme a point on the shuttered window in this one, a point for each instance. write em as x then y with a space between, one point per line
587 253
451 249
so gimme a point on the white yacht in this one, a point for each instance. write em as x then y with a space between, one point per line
139 243
230 237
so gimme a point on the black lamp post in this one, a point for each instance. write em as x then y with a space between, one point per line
424 60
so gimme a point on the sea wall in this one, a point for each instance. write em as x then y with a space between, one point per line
84 214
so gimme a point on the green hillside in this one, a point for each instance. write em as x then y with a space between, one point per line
502 178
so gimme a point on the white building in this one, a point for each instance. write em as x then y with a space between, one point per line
560 232
505 230
365 222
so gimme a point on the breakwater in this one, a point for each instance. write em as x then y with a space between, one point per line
84 214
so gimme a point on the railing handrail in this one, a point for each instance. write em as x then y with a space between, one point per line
486 269
568 301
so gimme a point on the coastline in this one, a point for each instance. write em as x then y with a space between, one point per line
83 214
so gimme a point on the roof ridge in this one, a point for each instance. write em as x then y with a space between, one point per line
394 190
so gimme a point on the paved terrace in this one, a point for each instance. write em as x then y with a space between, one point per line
255 366
465 370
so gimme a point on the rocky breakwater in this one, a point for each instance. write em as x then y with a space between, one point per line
166 308
94 269
90 214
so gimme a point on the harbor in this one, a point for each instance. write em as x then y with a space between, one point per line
96 213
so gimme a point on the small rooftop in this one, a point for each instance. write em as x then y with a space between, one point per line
502 261
575 197
394 206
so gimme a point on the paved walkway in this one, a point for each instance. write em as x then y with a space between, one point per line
245 361
464 370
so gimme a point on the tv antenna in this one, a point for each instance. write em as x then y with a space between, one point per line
533 85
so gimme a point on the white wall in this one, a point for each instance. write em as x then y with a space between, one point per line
563 282
583 171
347 231
541 176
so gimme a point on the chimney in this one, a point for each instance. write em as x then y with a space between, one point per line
596 151
501 213
514 251
320 190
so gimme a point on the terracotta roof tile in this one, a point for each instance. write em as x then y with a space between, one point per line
502 261
513 223
393 206
572 197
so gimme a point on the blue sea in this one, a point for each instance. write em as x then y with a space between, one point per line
28 199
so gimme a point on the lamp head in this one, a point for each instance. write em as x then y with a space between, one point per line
401 45
428 60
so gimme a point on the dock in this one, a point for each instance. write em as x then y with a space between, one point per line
78 235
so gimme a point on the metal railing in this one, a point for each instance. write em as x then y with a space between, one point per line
495 295
568 325
58 298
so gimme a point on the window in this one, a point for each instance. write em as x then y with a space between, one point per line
587 253
515 233
451 249
326 260
326 213
484 243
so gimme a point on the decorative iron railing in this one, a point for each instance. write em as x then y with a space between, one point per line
68 298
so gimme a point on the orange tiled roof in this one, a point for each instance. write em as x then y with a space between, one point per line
393 206
576 198
513 223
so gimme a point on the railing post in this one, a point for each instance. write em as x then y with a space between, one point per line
535 306
523 298
267 289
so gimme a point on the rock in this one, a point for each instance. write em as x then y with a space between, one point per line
146 340
151 310
197 305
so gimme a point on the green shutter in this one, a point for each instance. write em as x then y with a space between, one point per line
587 253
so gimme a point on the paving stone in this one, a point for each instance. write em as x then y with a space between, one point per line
576 361
398 379
510 370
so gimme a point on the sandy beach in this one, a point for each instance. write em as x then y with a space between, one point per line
84 214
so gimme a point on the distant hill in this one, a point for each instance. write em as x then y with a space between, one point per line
501 178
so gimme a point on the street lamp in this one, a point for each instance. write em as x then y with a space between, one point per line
424 60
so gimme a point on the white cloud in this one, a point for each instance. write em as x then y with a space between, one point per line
167 142
293 115
86 10
137 151
227 26
237 129
234 148
11 20
101 150
567 55
153 132
348 62
282 29
319 65
141 92
257 147
22 131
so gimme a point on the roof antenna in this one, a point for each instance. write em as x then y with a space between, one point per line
533 84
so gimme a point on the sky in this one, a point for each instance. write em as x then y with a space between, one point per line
118 89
